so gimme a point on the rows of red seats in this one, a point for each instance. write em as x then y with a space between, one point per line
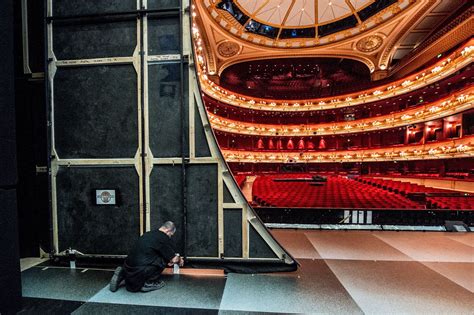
337 192
400 187
453 203
433 202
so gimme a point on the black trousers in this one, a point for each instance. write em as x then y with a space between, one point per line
135 277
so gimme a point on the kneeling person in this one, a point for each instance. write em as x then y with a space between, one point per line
147 260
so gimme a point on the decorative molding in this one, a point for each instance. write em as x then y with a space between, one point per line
458 148
453 34
442 69
205 47
346 53
369 43
457 103
228 49
227 22
389 49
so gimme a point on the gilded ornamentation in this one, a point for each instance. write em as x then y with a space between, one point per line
228 49
395 10
378 19
369 43
229 22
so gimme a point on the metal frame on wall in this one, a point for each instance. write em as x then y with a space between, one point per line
254 243
55 160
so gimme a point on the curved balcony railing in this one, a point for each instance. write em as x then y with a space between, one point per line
449 86
457 103
458 148
445 67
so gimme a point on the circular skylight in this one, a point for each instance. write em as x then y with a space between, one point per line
300 13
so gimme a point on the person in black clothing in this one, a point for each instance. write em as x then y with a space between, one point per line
147 260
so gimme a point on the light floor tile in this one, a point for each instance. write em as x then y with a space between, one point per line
460 273
296 243
428 246
353 245
312 290
28 262
401 287
179 291
465 238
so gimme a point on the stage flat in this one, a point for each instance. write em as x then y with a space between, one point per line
341 272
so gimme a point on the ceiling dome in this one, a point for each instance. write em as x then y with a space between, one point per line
313 22
300 13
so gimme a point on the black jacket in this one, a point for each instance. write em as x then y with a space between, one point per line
152 248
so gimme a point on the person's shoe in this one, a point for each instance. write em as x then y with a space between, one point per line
152 286
117 279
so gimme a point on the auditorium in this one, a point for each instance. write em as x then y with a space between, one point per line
237 157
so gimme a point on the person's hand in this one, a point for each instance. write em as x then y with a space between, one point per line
175 260
181 261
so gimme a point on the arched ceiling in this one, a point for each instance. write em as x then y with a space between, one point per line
374 32
309 20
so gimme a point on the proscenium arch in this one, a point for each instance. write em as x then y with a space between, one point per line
366 61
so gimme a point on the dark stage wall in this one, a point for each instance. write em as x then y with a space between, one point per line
127 116
10 283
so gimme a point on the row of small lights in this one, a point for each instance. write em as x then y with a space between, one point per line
440 151
400 87
198 45
434 111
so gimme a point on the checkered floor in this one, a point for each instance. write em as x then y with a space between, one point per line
350 272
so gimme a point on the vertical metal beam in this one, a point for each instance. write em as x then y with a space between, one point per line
245 232
148 166
138 156
48 127
50 69
24 31
192 113
220 210
183 131
143 182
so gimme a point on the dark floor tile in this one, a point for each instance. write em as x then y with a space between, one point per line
63 284
313 289
36 306
127 309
